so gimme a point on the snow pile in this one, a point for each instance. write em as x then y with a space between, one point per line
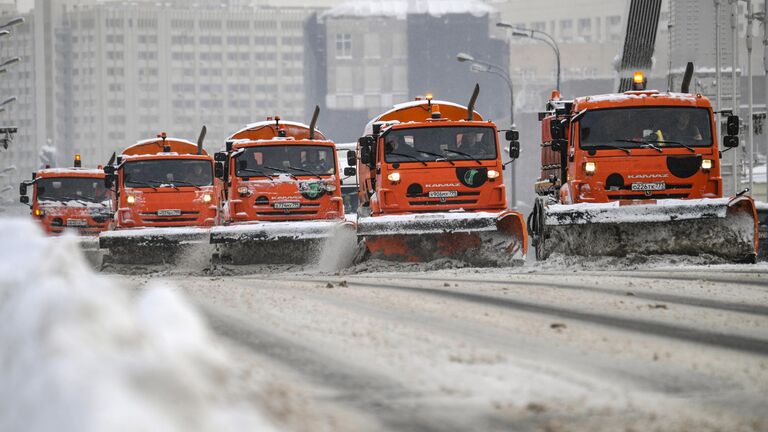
76 354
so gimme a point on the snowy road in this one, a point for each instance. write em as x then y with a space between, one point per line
537 348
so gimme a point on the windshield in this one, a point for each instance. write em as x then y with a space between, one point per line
440 143
294 160
64 189
643 127
168 172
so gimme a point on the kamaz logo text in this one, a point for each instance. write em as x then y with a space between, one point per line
644 176
438 185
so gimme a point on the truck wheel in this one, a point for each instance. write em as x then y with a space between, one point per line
537 225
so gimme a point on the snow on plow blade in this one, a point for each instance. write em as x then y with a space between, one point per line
273 242
153 245
721 227
481 238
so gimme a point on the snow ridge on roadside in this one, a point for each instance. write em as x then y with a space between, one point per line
77 354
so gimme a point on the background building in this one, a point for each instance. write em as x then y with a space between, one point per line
368 55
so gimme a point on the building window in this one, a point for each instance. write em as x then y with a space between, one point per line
343 45
613 28
566 30
585 30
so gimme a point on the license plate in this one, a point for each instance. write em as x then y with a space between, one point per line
649 186
169 212
287 205
77 222
443 194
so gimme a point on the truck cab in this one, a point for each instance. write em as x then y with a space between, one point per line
637 145
426 156
164 182
69 199
280 171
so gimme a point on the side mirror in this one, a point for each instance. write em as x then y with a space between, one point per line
556 129
218 169
22 189
514 150
512 135
109 181
24 199
366 149
350 171
109 169
351 158
730 141
732 125
220 156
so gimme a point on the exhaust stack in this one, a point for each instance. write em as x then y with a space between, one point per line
200 140
685 87
472 100
313 123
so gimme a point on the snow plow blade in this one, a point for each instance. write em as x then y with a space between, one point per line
152 245
298 242
723 227
482 238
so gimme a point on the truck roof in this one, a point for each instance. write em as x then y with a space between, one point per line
154 146
168 155
418 111
640 98
266 130
70 172
243 143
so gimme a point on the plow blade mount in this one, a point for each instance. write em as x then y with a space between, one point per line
154 245
482 238
722 227
296 242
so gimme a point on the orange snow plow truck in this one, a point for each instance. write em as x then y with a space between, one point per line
282 194
638 173
166 200
69 199
431 186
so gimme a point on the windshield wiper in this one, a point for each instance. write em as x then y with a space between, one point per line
185 183
441 156
464 154
614 146
304 170
673 142
408 156
258 171
69 198
161 183
280 170
141 183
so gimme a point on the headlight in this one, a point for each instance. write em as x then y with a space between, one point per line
330 187
243 190
590 167
39 212
706 164
207 198
131 199
394 177
492 174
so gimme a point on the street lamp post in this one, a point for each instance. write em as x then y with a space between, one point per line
481 66
13 22
532 34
